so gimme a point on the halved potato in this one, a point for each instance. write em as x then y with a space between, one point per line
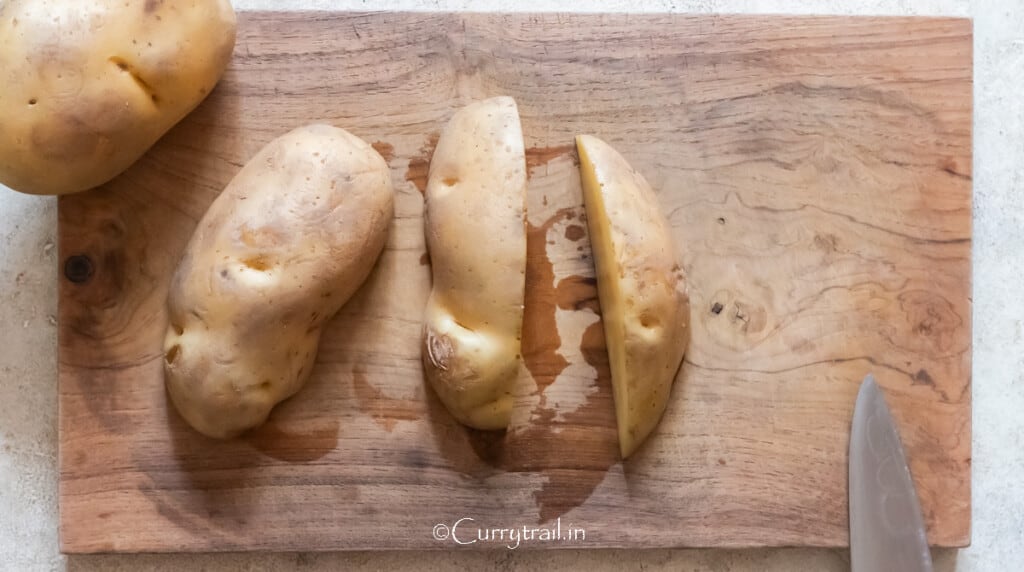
476 236
644 304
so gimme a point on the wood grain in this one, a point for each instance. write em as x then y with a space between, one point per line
817 175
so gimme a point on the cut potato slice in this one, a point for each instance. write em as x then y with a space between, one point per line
644 304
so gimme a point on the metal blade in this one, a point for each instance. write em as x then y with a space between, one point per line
886 529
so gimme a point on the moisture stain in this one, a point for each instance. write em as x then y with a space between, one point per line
589 431
385 411
386 150
419 166
573 451
293 447
574 232
541 340
578 293
541 156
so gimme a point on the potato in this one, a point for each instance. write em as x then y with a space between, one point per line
278 253
645 308
88 87
476 236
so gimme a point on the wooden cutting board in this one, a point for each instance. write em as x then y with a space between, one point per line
817 175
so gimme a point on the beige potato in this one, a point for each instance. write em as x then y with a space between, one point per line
88 87
278 253
644 303
476 236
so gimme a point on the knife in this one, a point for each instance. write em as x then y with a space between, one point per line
886 529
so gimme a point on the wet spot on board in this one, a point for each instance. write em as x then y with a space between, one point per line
386 150
293 447
385 411
419 166
575 452
540 331
578 293
294 432
572 452
541 156
574 232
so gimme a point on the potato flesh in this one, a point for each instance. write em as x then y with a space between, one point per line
277 254
644 304
88 87
476 236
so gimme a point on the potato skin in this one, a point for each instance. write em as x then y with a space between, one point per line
88 87
476 234
645 307
278 253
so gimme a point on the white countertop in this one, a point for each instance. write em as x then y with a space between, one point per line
28 298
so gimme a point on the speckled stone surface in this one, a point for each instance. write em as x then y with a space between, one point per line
28 298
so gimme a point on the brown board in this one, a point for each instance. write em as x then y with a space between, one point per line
816 173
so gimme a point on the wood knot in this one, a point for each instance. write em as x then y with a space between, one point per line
932 319
826 242
735 318
78 268
922 377
749 318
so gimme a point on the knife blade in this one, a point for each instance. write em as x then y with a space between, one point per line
886 528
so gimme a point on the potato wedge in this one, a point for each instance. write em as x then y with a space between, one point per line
277 254
644 303
89 86
476 235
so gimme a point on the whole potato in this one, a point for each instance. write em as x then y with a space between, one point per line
475 223
278 253
88 87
